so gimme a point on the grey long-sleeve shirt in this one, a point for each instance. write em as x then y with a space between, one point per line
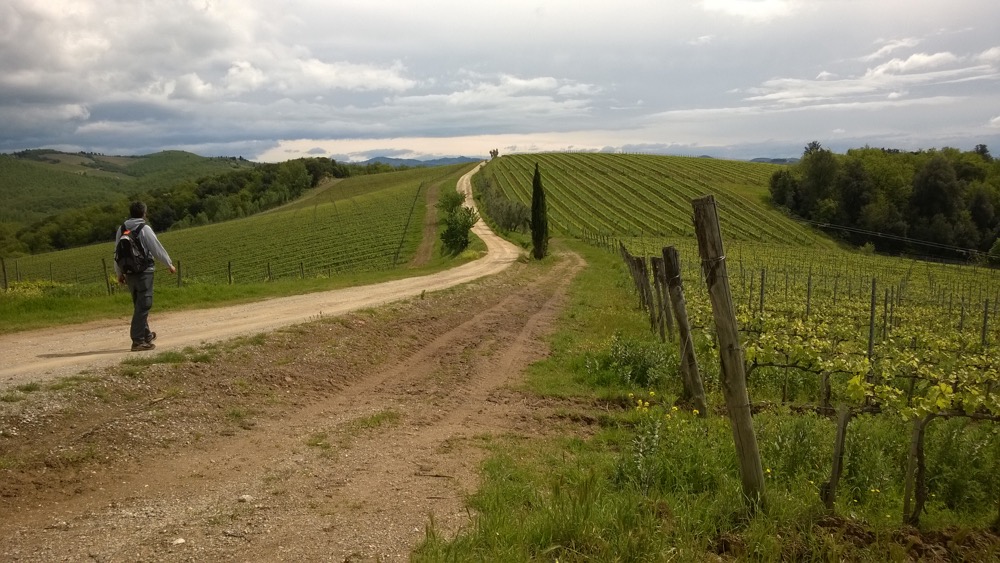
149 242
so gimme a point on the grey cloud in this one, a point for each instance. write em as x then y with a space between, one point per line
227 75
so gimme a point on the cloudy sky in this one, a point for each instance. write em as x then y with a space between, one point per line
272 80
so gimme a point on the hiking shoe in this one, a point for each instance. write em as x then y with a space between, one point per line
143 346
151 337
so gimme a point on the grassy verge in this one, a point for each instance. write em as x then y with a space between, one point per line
648 480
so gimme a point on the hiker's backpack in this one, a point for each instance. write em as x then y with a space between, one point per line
129 253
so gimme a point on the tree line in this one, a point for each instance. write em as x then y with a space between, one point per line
211 199
940 202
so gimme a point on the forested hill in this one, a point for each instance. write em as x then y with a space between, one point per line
82 198
943 202
38 183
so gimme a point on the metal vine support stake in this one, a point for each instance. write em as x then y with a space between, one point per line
763 276
713 260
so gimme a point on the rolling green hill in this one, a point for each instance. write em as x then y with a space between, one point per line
626 195
362 223
39 183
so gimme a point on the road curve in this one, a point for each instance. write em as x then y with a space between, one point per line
50 353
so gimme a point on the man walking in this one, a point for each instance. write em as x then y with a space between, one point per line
140 282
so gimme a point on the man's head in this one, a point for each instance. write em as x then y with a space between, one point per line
137 210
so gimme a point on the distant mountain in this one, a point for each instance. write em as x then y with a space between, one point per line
776 160
414 163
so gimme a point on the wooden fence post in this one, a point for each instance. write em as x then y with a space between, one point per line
3 264
693 386
666 322
734 380
642 277
107 280
828 492
914 487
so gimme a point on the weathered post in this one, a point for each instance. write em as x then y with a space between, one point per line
642 278
828 492
693 387
3 265
713 263
914 485
107 280
664 321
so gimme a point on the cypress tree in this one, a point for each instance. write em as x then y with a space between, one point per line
539 218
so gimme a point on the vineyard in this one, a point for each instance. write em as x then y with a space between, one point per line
856 338
648 196
359 224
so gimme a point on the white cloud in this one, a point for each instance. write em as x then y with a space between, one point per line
191 87
825 75
243 76
702 40
891 46
990 56
757 10
313 74
896 95
995 122
914 63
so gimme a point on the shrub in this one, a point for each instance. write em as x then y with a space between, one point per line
450 201
630 362
456 234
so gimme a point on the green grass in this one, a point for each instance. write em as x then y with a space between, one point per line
376 420
319 440
651 481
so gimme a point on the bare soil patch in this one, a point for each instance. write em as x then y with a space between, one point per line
333 440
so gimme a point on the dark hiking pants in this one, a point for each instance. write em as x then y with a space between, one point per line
141 287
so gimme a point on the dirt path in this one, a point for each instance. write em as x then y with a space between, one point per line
46 354
334 440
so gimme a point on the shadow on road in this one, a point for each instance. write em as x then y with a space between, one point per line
86 353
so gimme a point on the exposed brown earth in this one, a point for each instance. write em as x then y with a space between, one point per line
336 439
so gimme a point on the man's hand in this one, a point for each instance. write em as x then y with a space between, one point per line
121 279
173 270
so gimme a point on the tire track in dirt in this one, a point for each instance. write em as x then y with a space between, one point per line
367 496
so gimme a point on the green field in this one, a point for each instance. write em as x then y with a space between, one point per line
338 231
42 182
359 224
628 195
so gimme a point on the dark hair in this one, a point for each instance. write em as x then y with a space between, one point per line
137 210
